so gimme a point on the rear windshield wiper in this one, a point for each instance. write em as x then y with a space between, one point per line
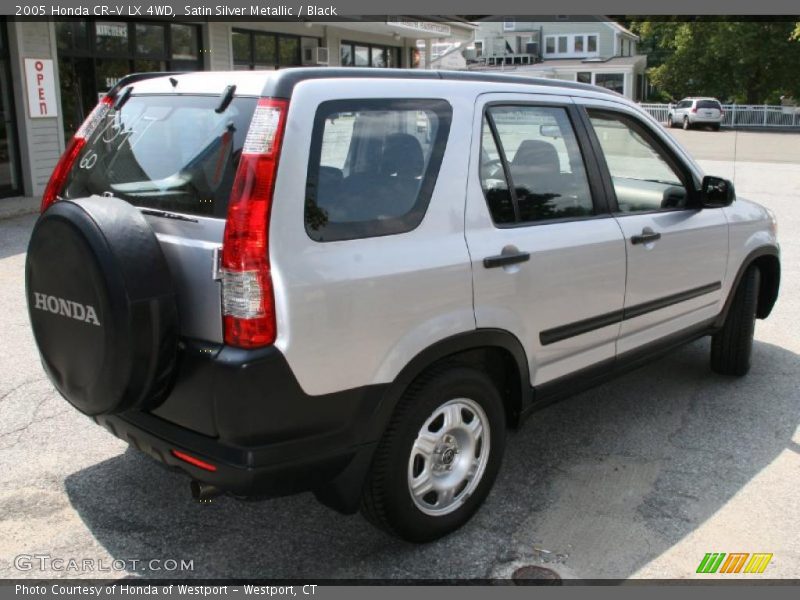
167 215
225 98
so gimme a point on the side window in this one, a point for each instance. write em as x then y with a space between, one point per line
643 178
373 166
531 166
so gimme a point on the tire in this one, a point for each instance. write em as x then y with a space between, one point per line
715 127
422 444
686 125
732 346
670 123
102 305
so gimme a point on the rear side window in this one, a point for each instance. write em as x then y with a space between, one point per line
173 153
373 166
708 104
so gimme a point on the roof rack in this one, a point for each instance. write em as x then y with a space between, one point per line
282 85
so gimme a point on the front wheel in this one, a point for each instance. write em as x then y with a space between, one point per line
732 345
439 456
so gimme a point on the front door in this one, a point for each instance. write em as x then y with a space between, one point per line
677 253
548 259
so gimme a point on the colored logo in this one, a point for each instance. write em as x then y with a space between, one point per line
735 562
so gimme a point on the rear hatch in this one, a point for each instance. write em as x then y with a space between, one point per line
709 109
174 157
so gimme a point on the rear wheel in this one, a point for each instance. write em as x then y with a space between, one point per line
686 124
732 346
670 124
439 457
715 127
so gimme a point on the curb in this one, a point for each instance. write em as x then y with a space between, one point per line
18 206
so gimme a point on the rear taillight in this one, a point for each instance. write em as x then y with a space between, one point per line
248 304
694 109
55 186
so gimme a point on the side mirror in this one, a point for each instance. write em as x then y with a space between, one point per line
716 192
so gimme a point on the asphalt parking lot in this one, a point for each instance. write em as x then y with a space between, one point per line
637 478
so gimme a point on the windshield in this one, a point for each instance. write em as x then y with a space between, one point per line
172 153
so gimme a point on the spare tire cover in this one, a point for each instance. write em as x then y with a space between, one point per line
102 305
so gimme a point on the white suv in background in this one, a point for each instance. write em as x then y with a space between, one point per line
696 112
353 281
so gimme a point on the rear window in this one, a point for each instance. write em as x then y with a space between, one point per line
173 153
708 104
373 166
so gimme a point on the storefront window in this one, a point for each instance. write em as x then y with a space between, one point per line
377 57
110 71
111 38
347 55
288 51
362 56
72 35
150 40
185 44
9 152
266 53
584 77
369 55
241 47
257 50
147 66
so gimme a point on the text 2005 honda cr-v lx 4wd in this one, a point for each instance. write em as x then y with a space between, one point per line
354 281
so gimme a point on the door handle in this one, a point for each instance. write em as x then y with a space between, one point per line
503 260
647 236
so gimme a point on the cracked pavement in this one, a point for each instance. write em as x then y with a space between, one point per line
639 477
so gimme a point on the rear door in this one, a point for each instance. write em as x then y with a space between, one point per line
175 157
676 253
548 260
367 248
709 110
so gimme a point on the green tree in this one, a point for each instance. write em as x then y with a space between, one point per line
741 61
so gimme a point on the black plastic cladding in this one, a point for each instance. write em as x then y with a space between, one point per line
282 85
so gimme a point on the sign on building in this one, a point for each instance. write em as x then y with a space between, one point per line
41 84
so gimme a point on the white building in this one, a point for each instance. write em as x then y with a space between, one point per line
588 50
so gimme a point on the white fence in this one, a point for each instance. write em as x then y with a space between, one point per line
742 115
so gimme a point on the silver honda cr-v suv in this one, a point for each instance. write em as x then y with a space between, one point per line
354 281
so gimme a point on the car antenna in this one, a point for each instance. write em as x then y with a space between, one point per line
225 98
173 81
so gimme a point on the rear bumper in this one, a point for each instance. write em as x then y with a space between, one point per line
708 120
244 413
241 471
